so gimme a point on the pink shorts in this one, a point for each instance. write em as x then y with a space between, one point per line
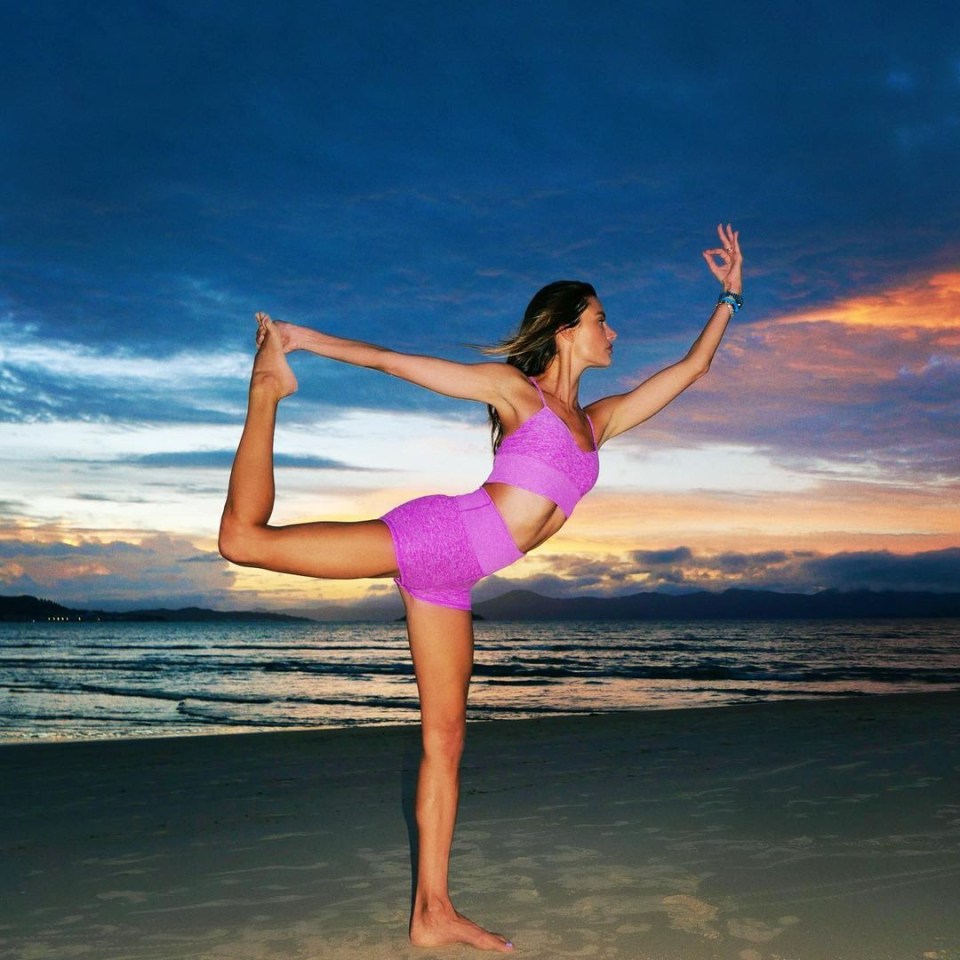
444 545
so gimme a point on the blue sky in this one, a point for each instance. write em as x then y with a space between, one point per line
410 174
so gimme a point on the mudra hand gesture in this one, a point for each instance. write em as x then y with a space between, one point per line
726 261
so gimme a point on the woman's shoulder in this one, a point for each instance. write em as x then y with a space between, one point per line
513 384
519 398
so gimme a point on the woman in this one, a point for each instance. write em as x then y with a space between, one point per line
436 547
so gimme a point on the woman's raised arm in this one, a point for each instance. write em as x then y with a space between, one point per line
485 382
621 412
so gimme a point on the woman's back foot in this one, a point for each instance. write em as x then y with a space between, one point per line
444 926
271 370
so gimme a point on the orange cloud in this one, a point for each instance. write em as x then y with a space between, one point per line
931 303
864 388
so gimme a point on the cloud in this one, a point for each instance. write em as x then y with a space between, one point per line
50 378
659 558
868 386
931 302
682 569
935 570
115 574
203 459
162 570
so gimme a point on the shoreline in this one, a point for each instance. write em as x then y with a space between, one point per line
473 722
795 829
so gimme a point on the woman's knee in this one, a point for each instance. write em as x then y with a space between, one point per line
237 542
443 740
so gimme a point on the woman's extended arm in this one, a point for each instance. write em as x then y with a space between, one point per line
616 414
484 382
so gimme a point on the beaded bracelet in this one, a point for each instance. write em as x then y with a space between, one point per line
733 300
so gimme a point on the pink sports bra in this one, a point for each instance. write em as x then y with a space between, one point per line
542 456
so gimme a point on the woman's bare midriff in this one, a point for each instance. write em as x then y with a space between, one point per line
530 518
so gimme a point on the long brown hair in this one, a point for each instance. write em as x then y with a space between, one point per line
553 308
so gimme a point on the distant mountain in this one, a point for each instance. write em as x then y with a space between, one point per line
25 608
733 604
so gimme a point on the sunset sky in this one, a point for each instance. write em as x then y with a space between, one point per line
410 174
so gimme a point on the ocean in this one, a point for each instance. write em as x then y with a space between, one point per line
75 681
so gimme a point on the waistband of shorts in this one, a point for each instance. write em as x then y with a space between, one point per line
470 501
487 532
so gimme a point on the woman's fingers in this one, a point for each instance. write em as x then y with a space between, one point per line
718 253
724 261
729 238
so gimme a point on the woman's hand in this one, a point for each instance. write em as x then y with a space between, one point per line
726 261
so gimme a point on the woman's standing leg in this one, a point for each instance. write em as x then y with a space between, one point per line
441 639
441 643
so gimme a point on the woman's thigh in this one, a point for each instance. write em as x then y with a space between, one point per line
326 549
441 644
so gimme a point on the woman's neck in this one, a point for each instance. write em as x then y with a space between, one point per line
562 382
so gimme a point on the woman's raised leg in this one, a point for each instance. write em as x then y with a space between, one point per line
326 549
441 642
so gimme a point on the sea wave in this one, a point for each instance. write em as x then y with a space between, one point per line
77 680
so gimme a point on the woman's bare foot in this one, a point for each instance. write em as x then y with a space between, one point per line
443 926
271 371
291 336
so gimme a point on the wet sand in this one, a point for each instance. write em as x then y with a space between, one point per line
817 830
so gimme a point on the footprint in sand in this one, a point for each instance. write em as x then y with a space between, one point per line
756 931
692 915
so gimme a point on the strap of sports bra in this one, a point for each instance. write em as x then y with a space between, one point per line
537 385
592 431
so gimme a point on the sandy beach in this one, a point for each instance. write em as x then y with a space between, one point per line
817 830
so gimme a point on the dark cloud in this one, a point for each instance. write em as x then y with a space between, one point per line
935 570
681 569
116 497
202 459
116 574
62 550
162 176
659 558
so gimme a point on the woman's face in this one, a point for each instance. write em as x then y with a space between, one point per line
593 337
